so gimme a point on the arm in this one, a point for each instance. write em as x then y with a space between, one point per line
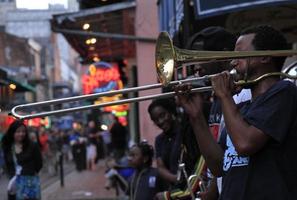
211 151
164 172
246 138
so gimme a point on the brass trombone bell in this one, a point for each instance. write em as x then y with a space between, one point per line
167 56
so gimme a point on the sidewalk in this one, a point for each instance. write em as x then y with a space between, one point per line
80 185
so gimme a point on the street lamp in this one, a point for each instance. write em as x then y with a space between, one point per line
12 86
86 26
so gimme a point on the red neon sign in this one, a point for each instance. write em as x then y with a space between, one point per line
99 77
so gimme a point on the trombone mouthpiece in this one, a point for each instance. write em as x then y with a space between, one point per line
233 72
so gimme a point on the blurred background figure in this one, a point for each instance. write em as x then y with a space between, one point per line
106 137
119 139
78 145
91 156
23 161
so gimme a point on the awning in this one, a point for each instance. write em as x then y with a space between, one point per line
3 82
208 8
21 87
107 24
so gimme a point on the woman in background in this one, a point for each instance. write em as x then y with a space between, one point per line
23 161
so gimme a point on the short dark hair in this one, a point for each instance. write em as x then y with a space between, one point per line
268 38
168 104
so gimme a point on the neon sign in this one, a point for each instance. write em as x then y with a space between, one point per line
101 77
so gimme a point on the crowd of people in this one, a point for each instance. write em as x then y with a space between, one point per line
25 150
245 134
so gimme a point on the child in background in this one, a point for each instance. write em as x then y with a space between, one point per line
145 183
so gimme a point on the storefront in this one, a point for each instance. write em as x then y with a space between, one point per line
234 16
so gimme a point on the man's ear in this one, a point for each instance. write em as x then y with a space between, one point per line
265 60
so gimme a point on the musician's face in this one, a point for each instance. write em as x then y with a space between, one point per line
244 43
162 118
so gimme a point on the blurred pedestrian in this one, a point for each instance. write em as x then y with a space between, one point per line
119 139
23 161
78 145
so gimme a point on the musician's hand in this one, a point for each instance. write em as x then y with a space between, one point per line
223 84
208 195
191 102
159 196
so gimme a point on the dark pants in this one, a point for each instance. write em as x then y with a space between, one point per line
13 197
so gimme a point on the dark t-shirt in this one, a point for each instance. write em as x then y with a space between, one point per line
271 173
145 185
168 147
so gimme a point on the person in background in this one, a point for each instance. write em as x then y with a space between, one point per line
106 137
91 133
64 136
23 161
145 181
78 145
172 146
91 156
119 139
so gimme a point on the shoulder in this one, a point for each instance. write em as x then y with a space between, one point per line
279 92
160 137
284 86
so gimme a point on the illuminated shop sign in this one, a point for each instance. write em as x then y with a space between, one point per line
37 122
101 77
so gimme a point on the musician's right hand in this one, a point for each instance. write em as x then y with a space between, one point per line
191 102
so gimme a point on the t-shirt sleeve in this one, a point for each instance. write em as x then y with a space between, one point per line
275 112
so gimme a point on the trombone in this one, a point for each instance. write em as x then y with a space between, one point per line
167 57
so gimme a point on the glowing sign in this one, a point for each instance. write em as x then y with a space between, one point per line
37 122
101 77
114 108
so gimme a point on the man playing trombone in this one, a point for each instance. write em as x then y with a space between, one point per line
256 156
